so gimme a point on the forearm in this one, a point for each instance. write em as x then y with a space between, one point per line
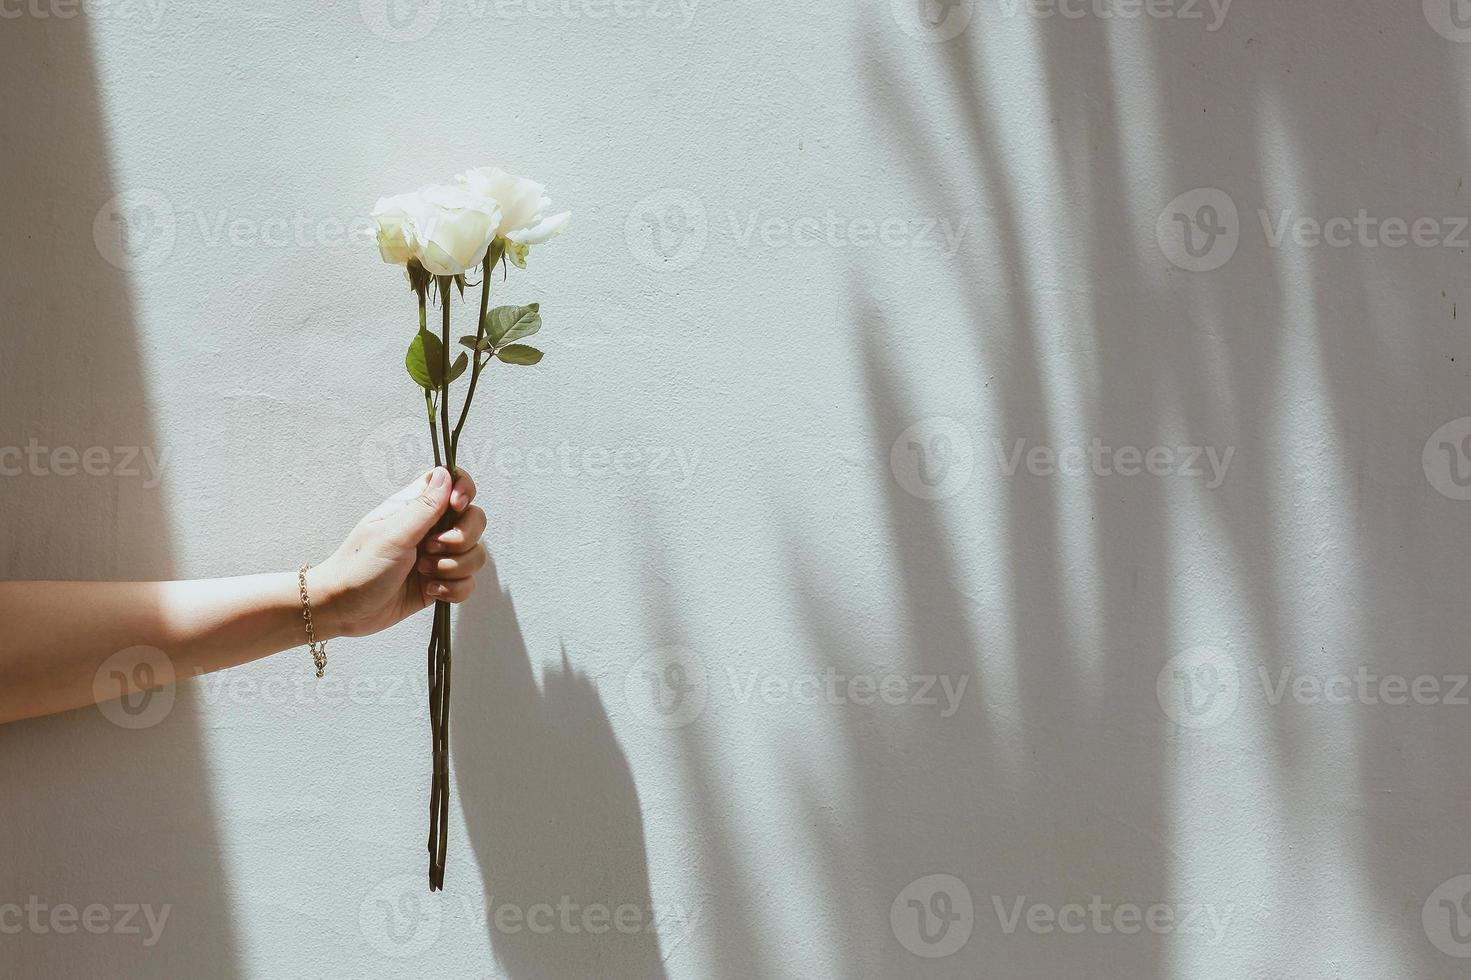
56 635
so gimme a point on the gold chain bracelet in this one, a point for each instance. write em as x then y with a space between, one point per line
319 650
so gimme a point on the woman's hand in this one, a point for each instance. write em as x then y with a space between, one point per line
391 565
60 636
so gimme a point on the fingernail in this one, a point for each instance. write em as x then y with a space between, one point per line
457 499
440 479
439 590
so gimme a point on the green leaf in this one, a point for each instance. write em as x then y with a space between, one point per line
505 324
458 368
519 354
425 360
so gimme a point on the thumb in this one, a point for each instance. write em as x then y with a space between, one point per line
421 505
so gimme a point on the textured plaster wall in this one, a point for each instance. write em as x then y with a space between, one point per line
830 552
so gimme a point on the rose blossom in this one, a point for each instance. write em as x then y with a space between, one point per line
522 202
445 228
395 230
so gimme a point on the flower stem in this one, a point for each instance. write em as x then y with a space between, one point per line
435 634
440 658
445 283
485 270
439 692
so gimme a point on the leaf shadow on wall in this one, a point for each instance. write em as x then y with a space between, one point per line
1044 782
93 814
550 806
1066 778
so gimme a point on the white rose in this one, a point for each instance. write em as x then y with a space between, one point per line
451 229
395 229
523 205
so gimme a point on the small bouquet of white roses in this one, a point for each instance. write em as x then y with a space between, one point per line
483 220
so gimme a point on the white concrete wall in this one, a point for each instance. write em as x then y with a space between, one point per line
756 306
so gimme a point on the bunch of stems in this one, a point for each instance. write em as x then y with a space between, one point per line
439 657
